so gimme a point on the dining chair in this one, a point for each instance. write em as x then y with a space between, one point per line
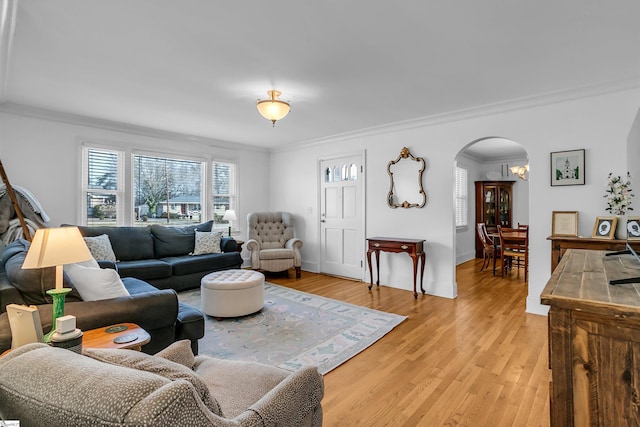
523 226
488 252
514 247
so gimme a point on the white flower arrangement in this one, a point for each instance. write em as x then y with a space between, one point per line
618 195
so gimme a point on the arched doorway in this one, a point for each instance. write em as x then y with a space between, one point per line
488 159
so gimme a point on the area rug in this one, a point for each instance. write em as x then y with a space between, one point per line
294 329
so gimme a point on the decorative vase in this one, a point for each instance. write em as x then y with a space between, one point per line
621 228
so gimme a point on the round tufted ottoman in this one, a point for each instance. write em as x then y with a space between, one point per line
232 293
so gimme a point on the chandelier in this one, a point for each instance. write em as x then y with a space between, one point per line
520 171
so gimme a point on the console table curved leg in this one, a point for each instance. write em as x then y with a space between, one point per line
371 268
423 258
414 258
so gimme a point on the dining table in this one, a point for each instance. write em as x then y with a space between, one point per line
513 234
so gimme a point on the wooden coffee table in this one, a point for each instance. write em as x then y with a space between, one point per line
122 335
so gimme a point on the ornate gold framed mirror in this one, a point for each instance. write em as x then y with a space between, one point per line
402 176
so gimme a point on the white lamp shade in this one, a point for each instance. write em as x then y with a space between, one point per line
229 215
56 246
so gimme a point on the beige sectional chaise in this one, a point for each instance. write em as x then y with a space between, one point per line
47 386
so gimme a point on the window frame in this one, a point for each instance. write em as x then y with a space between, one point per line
461 195
125 203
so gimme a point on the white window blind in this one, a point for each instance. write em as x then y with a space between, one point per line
167 188
224 190
461 197
102 186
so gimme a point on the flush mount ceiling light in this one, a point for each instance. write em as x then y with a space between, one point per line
520 171
273 109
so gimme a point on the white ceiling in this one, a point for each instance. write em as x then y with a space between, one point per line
198 66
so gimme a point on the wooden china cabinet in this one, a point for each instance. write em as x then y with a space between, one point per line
494 206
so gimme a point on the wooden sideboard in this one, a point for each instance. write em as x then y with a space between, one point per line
594 340
559 244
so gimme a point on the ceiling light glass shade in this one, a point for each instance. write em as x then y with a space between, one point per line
273 109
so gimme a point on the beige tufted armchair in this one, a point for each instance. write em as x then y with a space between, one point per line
271 243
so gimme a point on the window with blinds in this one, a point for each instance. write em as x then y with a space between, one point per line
461 197
168 189
224 191
159 190
103 186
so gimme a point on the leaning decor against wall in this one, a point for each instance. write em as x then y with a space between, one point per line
567 168
403 176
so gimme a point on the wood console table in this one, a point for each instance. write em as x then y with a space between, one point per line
594 340
413 247
559 244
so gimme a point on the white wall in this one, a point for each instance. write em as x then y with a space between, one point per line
598 123
44 157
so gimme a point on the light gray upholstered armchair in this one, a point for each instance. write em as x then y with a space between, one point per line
272 243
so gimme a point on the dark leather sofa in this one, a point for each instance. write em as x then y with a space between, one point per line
157 311
159 254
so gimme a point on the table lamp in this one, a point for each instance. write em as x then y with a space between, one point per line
229 215
55 247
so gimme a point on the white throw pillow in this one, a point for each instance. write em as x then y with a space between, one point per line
207 242
95 283
100 247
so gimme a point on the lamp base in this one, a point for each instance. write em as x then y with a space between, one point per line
58 296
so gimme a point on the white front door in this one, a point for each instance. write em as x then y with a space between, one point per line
341 216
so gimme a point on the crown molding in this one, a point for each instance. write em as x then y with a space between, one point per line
8 12
80 120
479 111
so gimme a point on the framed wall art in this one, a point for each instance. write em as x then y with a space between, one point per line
605 227
564 223
567 168
633 228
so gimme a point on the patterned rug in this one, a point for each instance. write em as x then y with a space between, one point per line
294 329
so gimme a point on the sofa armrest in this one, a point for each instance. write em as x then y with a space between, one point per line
253 247
8 294
228 244
150 310
295 244
295 400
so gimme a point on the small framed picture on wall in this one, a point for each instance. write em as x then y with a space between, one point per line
567 168
605 227
633 228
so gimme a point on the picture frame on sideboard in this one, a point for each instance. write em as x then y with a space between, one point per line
605 227
633 228
564 223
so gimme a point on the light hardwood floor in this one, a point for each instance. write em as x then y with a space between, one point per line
478 360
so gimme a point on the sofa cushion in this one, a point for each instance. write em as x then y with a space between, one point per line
95 283
207 243
128 243
144 269
220 374
136 286
203 263
175 241
156 365
100 247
